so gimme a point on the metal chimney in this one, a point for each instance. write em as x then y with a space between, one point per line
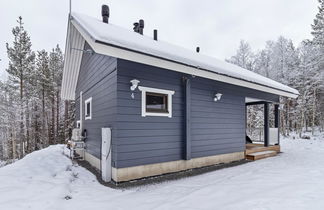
139 26
155 35
105 13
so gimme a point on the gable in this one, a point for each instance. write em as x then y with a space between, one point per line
72 61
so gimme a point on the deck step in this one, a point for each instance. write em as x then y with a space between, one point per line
252 148
261 155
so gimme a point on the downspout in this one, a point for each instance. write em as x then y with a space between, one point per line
187 119
81 116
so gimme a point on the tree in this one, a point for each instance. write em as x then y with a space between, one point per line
56 69
318 25
243 57
318 42
43 87
21 59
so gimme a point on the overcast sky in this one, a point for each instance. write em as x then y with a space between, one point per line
216 26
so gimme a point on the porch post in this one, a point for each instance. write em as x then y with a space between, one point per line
187 155
266 124
277 120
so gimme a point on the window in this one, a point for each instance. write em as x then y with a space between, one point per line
156 102
88 109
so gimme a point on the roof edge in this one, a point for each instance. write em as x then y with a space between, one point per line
120 52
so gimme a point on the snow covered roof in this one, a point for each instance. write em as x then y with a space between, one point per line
122 43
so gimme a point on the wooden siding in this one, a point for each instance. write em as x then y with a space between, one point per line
150 139
216 127
97 79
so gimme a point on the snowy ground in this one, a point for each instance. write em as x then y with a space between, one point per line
47 179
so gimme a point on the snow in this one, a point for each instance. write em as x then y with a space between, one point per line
262 153
111 34
2 163
47 179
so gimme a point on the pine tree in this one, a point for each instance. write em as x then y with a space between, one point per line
318 25
43 87
318 42
21 59
56 69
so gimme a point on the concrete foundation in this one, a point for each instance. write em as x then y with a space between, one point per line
137 172
93 161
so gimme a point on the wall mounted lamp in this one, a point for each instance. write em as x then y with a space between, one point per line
218 97
134 83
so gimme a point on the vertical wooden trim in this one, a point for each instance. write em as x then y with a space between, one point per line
81 113
170 105
143 105
266 124
277 120
188 119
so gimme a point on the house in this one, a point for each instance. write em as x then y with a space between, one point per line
146 107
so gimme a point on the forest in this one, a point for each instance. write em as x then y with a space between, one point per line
300 67
33 115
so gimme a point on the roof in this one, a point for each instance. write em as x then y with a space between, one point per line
122 43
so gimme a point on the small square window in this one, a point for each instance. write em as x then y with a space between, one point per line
88 109
156 102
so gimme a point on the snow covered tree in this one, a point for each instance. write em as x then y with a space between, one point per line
318 42
21 59
318 25
56 69
243 57
32 113
43 87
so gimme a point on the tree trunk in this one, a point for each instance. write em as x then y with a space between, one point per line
43 118
57 116
27 129
66 119
21 132
52 137
314 112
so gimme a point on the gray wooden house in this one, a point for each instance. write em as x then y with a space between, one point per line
167 108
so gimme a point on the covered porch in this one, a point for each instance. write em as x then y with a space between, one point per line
263 141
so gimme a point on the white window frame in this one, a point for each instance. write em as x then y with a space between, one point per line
89 100
78 124
160 91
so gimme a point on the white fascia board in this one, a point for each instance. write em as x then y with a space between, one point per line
156 90
153 61
72 62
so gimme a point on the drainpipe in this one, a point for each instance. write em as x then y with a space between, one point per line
81 116
187 93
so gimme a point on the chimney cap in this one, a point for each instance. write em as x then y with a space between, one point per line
155 34
105 13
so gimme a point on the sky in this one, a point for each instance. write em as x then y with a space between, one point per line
215 26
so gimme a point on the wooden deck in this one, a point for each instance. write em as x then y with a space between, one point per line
259 151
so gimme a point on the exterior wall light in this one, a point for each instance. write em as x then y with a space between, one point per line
218 97
134 83
281 106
